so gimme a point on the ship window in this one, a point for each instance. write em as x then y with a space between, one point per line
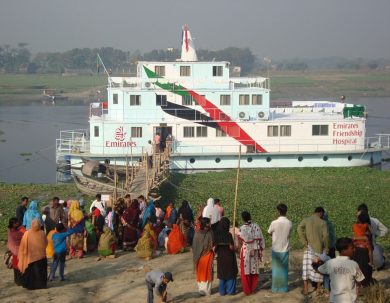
257 99
285 130
244 100
219 132
187 100
96 131
136 132
115 99
217 71
161 100
135 100
185 71
160 70
201 131
272 131
224 100
320 130
188 132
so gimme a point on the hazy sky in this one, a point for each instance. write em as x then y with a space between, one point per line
273 28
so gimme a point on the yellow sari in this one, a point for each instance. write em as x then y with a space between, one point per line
146 244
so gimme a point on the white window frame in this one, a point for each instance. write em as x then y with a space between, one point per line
185 71
217 71
323 130
225 99
285 130
115 98
243 99
257 99
219 132
159 70
272 131
136 132
188 132
96 131
135 100
201 131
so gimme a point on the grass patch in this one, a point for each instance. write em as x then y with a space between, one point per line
338 190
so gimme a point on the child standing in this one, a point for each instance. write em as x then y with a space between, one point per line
363 235
59 243
344 273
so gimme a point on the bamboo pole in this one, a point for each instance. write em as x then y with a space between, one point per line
236 194
115 182
132 163
127 172
146 175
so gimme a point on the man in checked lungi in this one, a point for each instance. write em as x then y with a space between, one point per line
313 234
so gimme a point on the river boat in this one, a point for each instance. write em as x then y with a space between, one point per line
210 117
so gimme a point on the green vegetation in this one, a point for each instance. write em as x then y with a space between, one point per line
338 190
10 195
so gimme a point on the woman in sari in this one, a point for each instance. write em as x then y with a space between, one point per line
31 214
107 243
251 253
130 221
90 236
15 234
186 217
176 241
147 243
203 255
149 215
226 258
32 257
75 217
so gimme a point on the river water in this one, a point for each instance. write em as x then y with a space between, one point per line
28 135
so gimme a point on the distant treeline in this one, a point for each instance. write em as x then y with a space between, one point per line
18 59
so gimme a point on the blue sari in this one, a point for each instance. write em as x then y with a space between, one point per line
31 214
150 213
279 271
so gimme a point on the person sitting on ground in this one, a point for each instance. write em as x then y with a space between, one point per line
176 241
163 235
59 243
106 247
156 283
147 243
344 273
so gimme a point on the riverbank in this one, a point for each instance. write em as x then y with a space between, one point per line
72 89
338 190
117 280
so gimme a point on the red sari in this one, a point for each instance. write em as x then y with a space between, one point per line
130 220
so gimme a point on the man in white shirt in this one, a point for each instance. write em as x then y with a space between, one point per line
280 230
345 274
99 204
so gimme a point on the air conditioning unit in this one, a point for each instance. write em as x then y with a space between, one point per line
243 115
148 84
261 115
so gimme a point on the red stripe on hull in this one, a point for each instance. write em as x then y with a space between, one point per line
227 125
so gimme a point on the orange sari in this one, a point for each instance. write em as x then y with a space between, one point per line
176 241
204 272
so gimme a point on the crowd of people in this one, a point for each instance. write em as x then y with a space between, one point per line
144 226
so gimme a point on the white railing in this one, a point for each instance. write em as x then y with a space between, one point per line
73 141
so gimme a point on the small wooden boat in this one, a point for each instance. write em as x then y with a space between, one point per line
91 187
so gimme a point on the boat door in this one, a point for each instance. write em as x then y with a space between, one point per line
165 134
